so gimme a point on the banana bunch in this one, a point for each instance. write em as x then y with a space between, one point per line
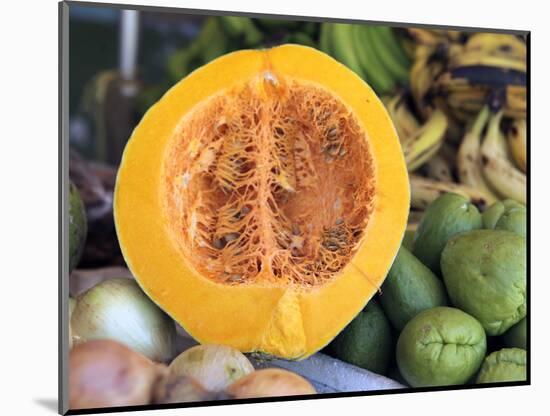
372 52
485 63
420 141
425 190
498 168
488 163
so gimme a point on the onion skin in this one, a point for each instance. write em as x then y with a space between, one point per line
181 389
214 366
117 309
270 382
105 373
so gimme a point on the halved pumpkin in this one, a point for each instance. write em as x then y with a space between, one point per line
262 200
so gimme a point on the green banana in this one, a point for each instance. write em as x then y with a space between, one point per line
499 171
426 141
212 41
469 158
389 61
391 42
375 72
325 38
310 28
342 43
242 27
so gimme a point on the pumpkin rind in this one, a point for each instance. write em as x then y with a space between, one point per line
286 321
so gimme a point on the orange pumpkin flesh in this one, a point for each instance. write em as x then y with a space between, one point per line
262 200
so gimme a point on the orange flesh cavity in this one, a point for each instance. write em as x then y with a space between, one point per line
270 182
176 202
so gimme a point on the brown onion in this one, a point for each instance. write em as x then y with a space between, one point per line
214 366
105 373
181 389
270 382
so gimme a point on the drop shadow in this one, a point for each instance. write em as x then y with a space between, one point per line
49 404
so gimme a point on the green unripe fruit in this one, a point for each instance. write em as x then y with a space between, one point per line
408 240
508 364
447 216
485 275
410 288
367 340
440 347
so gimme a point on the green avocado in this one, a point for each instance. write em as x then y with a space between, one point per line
408 240
508 364
440 347
78 226
517 335
366 342
485 275
410 288
447 216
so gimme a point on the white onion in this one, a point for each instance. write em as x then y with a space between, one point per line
214 366
117 309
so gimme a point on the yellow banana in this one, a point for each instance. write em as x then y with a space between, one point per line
424 71
427 36
516 101
469 157
480 58
517 142
403 119
426 141
498 169
424 191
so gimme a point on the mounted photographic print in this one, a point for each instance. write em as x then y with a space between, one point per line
261 208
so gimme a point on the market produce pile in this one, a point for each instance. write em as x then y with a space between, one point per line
452 308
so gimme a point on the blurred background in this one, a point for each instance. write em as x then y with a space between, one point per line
436 84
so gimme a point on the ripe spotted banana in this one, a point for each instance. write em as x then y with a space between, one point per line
426 141
424 72
497 45
438 168
483 59
424 191
403 119
498 169
469 157
517 141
